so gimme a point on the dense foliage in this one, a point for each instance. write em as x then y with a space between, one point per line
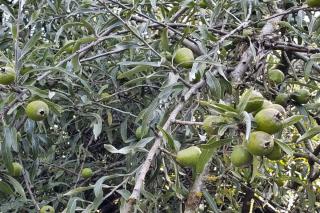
159 106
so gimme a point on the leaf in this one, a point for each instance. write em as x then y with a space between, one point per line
244 100
134 71
17 186
96 124
125 150
247 120
5 188
164 40
210 200
311 196
309 134
214 85
77 190
30 44
255 168
284 147
168 138
292 120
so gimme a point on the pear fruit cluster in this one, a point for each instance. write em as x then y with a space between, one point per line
269 119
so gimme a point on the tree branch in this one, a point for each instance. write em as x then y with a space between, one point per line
155 148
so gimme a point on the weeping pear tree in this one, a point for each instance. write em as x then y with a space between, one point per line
159 106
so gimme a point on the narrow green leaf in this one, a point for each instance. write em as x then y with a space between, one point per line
284 147
168 138
292 120
309 134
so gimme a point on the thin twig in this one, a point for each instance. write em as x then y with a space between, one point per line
28 185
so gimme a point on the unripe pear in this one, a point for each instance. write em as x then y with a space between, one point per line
17 169
276 153
301 96
7 75
282 99
255 101
276 76
269 120
260 143
184 57
47 209
86 173
240 156
189 156
37 110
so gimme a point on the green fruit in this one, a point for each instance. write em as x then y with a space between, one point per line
240 156
276 76
139 134
86 173
260 143
276 153
37 110
26 68
47 209
203 4
7 75
313 3
282 99
277 107
105 97
269 120
189 156
17 169
255 102
184 57
301 96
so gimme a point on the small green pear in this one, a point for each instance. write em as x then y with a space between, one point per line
37 110
189 156
47 209
86 173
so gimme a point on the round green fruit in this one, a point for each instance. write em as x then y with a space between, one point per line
276 153
37 110
282 99
189 156
26 68
255 102
47 209
269 120
301 96
277 107
313 3
184 57
276 76
260 143
138 133
203 4
86 173
7 75
17 169
240 156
